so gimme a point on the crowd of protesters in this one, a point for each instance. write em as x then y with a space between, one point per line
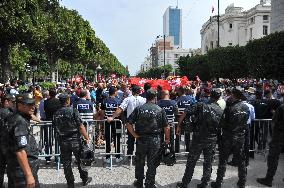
114 98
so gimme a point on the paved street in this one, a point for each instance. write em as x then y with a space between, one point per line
123 175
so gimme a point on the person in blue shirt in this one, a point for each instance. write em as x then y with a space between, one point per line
183 102
170 107
109 106
82 104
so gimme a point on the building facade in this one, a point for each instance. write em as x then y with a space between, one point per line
277 15
172 25
237 26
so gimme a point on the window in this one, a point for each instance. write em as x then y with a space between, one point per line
251 20
211 45
265 17
176 56
231 26
265 30
230 44
250 33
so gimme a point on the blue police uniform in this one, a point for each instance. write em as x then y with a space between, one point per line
170 107
110 105
183 102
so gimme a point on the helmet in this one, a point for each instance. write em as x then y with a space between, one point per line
168 156
87 157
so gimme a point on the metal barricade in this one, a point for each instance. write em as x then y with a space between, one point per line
45 136
114 132
260 135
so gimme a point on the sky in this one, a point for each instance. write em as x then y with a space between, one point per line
129 27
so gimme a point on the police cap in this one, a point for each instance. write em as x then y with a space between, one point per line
63 97
25 98
151 94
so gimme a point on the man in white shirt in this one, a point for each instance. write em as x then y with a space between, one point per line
129 104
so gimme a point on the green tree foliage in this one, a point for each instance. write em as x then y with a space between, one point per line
156 72
50 33
260 58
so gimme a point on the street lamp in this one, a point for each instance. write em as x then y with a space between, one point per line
98 69
164 36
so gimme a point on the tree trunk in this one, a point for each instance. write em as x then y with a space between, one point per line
52 63
5 65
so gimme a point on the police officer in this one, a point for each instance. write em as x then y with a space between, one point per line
83 105
109 106
69 128
171 110
183 102
275 147
8 102
234 125
207 117
19 145
149 120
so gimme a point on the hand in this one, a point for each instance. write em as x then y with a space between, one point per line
110 119
30 181
167 141
87 141
34 118
178 131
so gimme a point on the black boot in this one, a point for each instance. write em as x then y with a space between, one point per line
87 181
241 185
138 183
180 185
265 181
215 184
202 185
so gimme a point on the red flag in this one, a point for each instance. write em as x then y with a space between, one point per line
212 8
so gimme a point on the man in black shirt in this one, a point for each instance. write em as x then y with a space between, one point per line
51 105
19 145
275 147
69 128
207 117
234 125
149 120
6 111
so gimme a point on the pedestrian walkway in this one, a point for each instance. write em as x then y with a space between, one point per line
167 177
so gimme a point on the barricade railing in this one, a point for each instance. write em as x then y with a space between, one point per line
45 136
260 135
114 132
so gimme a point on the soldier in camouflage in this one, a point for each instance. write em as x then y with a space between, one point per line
205 127
234 125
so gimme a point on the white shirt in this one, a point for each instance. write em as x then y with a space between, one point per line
251 112
131 102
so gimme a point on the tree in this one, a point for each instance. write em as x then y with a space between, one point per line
18 19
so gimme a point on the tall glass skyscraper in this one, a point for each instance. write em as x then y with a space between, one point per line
173 25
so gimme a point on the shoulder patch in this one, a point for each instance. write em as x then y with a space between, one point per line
23 140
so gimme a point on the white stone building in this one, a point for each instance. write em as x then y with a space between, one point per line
277 15
237 26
